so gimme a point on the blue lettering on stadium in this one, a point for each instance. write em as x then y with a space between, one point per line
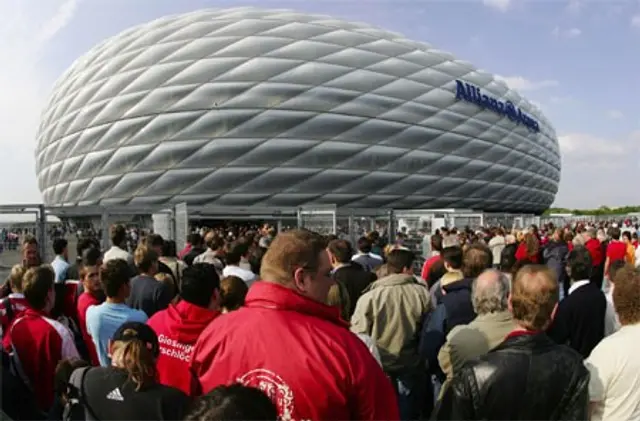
472 93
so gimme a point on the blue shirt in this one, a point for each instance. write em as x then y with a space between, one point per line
60 267
102 322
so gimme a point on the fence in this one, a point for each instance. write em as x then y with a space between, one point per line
415 226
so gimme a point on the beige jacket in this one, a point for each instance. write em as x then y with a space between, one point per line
390 312
470 341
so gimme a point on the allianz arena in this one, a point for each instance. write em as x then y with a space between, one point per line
273 108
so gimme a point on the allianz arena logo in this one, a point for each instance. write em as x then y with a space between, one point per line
472 93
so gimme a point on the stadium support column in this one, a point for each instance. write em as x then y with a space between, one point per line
392 227
42 232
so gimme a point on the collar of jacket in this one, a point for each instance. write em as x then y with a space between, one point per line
497 317
459 285
525 340
271 295
193 312
393 280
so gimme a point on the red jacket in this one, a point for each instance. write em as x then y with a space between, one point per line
39 344
18 306
300 353
595 250
424 274
85 301
178 328
522 254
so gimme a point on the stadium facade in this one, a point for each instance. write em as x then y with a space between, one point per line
250 107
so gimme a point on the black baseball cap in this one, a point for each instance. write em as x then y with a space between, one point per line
135 330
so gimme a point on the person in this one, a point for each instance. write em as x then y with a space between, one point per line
351 274
614 363
39 343
128 389
580 319
92 296
215 251
364 257
118 250
12 305
60 263
489 295
147 293
104 319
233 403
555 257
238 250
233 291
314 355
390 312
528 376
179 326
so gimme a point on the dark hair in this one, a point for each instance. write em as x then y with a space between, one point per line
399 259
91 256
84 244
144 258
627 234
63 374
341 250
233 291
615 233
475 260
453 256
195 239
214 241
579 263
364 245
59 244
113 275
436 271
169 248
436 242
255 259
155 240
233 403
614 267
199 281
118 234
237 249
36 284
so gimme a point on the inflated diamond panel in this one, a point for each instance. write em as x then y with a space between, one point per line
250 107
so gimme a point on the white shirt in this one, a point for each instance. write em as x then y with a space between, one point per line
116 252
246 275
614 387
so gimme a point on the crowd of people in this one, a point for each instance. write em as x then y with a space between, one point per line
246 323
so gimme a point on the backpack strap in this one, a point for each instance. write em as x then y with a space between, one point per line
77 396
8 308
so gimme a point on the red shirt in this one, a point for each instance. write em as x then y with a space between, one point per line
427 266
616 250
85 301
595 250
178 328
313 367
570 245
521 254
18 306
39 343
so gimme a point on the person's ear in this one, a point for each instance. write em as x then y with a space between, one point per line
109 348
510 303
554 312
299 280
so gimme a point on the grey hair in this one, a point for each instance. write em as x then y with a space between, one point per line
491 297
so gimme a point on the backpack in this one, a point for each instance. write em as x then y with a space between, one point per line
76 407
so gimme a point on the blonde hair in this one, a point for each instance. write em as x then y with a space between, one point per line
339 297
15 278
144 258
166 279
133 356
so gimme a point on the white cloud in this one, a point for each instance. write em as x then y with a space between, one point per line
615 114
566 33
24 33
520 83
501 5
574 7
590 166
635 21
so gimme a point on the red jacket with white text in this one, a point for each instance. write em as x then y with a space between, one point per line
178 327
300 353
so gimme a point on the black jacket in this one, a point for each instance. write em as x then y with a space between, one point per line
527 377
355 279
555 257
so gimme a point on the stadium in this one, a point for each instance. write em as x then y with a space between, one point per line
249 107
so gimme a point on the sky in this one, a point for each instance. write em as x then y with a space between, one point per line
576 59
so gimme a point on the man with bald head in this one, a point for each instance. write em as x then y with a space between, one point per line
489 296
528 376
